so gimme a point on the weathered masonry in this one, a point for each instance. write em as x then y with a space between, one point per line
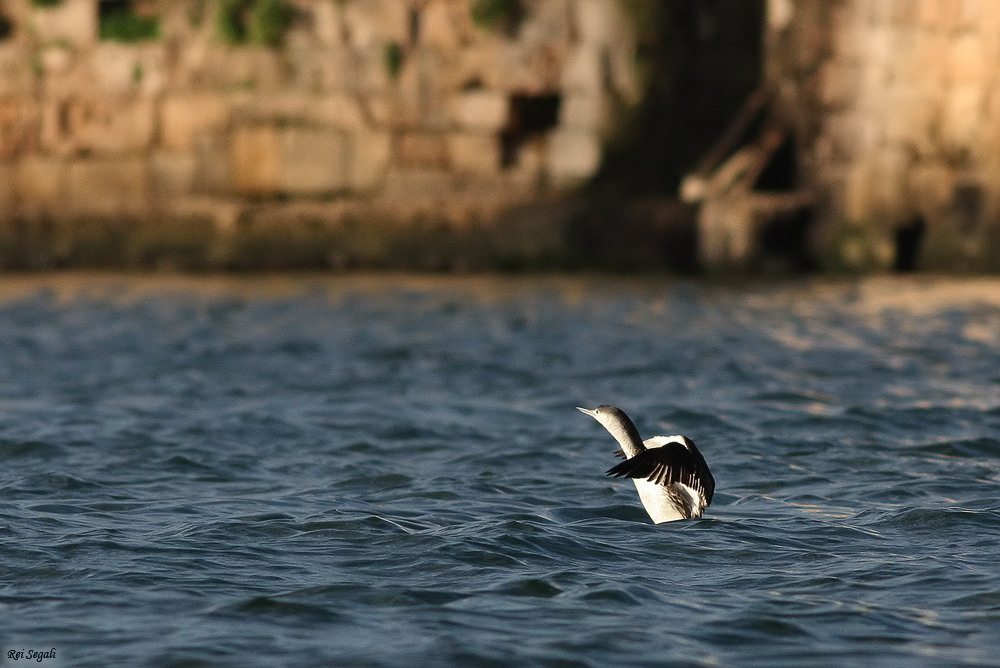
892 108
339 132
226 114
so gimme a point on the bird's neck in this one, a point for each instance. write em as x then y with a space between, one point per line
628 437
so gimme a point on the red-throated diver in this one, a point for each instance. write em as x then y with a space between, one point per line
672 478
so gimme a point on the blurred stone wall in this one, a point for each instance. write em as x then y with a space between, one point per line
897 109
448 110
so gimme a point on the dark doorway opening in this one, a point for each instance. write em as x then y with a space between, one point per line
529 117
6 27
909 235
706 60
782 170
785 244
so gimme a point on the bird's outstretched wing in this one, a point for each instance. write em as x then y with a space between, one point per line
668 464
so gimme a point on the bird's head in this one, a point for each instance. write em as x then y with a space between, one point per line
606 415
618 423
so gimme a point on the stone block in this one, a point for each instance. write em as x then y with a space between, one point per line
478 64
990 20
481 110
108 186
725 233
421 149
445 24
910 117
876 14
255 160
839 83
114 125
17 127
126 68
525 70
380 110
967 61
15 78
275 108
873 94
880 41
418 184
624 73
329 69
475 153
779 15
931 14
988 146
371 153
927 62
950 15
71 21
101 125
904 13
584 71
372 23
849 31
969 14
596 20
574 156
531 166
931 185
424 88
554 24
583 112
183 117
38 181
213 163
876 187
838 141
172 174
328 22
857 191
6 188
314 161
251 68
56 60
369 71
963 115
59 126
603 27
337 111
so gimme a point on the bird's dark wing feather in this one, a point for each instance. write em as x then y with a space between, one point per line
669 464
620 454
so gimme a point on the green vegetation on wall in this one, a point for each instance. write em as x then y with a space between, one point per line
196 12
124 25
491 14
487 13
254 21
394 58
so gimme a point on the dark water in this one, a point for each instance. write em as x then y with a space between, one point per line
335 474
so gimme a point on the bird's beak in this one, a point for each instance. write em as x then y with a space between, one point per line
592 412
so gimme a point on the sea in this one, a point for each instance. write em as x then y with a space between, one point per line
389 470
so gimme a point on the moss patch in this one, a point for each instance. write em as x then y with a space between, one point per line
118 22
260 22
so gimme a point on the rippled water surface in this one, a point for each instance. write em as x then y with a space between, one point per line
390 471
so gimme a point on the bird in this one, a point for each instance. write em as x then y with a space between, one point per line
669 472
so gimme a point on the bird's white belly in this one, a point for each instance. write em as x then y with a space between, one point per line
656 502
